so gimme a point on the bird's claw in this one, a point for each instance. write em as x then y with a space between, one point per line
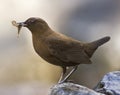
67 81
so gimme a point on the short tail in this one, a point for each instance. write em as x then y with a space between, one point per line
90 48
101 41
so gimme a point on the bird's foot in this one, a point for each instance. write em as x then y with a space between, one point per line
66 81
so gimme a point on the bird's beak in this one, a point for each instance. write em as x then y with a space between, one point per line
19 25
23 24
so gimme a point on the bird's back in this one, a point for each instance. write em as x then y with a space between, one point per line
67 50
61 50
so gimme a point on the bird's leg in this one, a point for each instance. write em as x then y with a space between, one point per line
69 74
62 74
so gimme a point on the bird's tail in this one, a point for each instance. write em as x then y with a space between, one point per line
91 47
100 41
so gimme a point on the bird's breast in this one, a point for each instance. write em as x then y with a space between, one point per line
42 50
40 47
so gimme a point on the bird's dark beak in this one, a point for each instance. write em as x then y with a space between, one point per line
19 25
23 24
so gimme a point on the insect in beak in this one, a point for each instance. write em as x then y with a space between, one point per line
19 25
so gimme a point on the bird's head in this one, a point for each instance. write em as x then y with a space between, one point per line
33 24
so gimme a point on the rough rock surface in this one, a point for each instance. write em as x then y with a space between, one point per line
109 85
71 89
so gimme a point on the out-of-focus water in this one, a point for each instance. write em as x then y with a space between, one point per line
32 88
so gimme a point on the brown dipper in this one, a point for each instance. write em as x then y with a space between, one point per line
57 48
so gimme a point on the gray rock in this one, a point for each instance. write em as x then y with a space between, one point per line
71 89
110 84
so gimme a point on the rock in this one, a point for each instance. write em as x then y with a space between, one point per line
110 84
71 89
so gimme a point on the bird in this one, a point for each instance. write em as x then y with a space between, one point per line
57 48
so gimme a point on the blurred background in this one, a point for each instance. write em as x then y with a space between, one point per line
23 72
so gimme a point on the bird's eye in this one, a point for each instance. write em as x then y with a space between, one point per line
30 21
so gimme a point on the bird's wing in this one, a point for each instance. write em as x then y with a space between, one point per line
68 51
